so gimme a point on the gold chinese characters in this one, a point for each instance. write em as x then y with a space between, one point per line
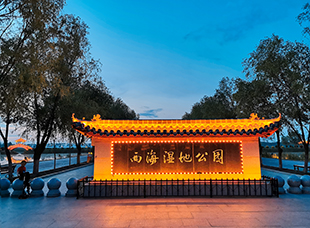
168 157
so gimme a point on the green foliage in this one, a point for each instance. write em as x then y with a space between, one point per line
23 21
218 106
20 22
89 98
119 110
47 73
284 67
253 97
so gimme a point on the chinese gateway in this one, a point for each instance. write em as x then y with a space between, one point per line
176 149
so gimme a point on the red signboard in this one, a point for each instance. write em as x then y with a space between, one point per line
167 157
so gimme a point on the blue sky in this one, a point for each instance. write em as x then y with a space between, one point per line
162 56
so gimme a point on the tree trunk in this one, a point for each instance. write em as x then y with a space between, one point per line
36 163
10 166
36 158
279 149
306 146
78 158
8 155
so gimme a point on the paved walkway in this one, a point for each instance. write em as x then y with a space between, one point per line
64 176
286 211
273 173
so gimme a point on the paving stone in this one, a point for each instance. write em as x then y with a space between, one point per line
157 222
197 222
64 224
288 210
180 215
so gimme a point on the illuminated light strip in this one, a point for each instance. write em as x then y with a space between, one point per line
177 141
12 147
241 155
112 157
219 173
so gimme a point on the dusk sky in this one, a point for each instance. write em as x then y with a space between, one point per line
162 56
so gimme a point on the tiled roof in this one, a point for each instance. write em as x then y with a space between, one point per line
149 128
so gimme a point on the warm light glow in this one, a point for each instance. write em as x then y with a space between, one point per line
181 125
178 141
20 140
12 147
112 147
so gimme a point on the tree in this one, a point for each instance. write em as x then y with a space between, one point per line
45 62
8 13
21 20
120 111
91 97
11 99
55 66
284 66
253 96
218 106
256 97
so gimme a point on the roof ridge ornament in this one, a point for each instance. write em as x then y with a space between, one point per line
254 116
96 117
74 119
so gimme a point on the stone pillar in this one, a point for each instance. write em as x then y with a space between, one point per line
53 186
18 188
5 185
294 183
37 185
281 183
305 182
72 187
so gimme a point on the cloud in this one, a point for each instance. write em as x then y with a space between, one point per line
233 27
240 27
198 34
151 113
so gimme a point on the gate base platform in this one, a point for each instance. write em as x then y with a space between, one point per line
265 187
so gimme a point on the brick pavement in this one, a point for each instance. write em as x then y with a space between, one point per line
286 211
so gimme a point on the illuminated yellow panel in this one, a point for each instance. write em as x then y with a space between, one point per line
249 153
